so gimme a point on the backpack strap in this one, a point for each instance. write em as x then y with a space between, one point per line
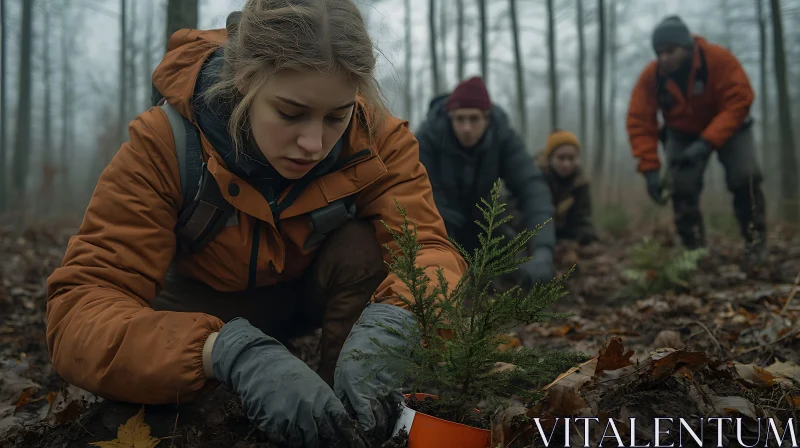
203 212
329 218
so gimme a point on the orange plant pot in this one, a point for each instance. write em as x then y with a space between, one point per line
426 431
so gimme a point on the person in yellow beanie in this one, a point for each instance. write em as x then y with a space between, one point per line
559 162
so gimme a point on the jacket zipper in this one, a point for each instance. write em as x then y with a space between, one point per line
253 267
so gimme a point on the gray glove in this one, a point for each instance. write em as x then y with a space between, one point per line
372 395
539 268
653 185
279 392
697 152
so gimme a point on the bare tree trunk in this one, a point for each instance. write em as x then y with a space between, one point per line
44 198
66 99
48 91
763 97
599 109
789 183
22 139
522 108
181 14
134 53
147 55
443 32
419 92
432 44
3 153
582 71
551 72
613 48
460 56
727 38
123 73
483 33
407 69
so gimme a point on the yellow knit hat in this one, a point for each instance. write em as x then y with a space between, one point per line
559 138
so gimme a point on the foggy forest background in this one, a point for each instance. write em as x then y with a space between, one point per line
75 72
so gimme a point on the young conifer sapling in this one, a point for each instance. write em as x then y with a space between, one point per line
454 348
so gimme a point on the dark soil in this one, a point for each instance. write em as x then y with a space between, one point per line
449 411
398 441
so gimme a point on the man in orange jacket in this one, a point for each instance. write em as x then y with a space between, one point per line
704 97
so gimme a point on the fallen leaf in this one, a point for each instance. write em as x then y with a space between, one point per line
664 365
684 372
502 367
26 397
511 342
505 427
576 376
687 304
758 376
561 331
734 405
135 433
13 391
564 401
613 356
749 317
785 369
669 339
67 404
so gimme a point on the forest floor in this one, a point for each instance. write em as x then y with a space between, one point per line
726 345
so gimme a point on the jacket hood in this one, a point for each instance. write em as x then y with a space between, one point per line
176 75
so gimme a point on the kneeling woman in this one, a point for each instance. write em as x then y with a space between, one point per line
289 120
569 187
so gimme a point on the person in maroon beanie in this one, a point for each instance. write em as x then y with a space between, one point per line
466 143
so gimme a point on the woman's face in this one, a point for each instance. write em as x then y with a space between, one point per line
565 160
297 117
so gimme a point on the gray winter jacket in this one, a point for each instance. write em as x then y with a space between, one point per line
461 178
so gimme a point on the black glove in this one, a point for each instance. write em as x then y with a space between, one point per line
368 389
653 185
697 152
279 392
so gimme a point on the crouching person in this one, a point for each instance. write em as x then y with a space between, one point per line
466 143
148 308
704 96
569 187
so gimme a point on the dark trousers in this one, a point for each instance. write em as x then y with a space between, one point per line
743 179
467 236
331 295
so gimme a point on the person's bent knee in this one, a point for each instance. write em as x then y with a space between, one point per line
745 181
350 253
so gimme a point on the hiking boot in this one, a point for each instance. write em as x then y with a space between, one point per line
755 254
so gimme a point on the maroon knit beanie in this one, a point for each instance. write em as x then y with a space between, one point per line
470 94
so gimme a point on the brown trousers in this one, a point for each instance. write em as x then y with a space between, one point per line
331 295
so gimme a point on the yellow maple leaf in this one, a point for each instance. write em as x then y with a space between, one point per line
135 433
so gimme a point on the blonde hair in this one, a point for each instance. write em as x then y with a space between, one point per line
274 36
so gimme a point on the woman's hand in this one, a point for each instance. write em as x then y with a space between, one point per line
369 390
279 392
